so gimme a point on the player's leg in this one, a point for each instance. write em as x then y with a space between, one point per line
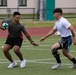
55 53
70 57
8 45
6 52
17 52
17 45
66 49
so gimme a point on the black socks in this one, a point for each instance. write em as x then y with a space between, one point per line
73 60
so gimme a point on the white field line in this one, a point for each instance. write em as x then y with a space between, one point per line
39 45
35 49
41 49
48 63
38 61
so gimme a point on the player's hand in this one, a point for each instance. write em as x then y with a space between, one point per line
74 41
42 39
2 28
35 44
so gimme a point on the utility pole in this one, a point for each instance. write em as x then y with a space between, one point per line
42 10
18 6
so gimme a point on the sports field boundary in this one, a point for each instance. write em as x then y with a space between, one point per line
36 31
40 31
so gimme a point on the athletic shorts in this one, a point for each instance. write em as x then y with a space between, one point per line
14 41
66 41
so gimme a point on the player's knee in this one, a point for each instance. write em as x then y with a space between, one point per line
16 50
55 52
52 48
5 51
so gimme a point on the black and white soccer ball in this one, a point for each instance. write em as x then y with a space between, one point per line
5 25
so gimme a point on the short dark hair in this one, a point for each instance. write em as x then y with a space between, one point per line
59 10
16 13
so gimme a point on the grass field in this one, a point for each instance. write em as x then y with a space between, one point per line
31 23
36 23
39 59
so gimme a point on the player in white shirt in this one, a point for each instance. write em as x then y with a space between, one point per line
67 33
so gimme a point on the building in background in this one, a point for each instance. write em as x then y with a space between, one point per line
14 5
35 6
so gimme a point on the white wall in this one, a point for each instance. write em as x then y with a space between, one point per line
30 4
65 3
12 3
33 4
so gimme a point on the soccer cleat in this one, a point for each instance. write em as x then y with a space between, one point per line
23 63
73 66
12 65
56 66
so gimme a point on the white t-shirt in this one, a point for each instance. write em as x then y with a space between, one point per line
62 26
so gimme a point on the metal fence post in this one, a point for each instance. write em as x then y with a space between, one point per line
8 12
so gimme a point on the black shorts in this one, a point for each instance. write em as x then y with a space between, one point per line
66 41
14 41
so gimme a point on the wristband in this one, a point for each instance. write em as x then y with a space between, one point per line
32 42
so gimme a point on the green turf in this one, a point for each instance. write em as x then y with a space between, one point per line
39 59
31 23
36 23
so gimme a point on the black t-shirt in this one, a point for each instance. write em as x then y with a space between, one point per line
15 30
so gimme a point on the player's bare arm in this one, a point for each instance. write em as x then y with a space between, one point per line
73 34
49 34
1 25
30 39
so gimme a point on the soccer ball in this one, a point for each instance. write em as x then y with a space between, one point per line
5 25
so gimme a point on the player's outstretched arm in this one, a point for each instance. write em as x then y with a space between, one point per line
47 35
30 39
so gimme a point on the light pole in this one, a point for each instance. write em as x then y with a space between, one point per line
18 6
42 9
